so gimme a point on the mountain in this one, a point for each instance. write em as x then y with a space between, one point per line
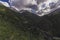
26 25
18 26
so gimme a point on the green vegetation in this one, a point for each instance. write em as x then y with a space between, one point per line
28 26
14 26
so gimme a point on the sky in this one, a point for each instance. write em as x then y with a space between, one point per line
21 4
4 2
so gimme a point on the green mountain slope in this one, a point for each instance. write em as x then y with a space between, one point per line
28 26
15 26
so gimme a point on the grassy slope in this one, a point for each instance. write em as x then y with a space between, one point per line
26 26
11 24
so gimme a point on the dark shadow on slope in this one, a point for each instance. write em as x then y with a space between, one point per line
54 18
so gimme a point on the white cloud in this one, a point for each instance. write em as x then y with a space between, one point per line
5 4
22 4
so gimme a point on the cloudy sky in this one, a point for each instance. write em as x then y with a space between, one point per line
5 3
21 4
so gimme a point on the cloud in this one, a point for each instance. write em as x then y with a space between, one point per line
22 3
5 3
28 5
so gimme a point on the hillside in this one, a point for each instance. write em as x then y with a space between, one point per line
15 26
28 26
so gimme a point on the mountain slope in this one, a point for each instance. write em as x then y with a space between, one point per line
15 26
28 26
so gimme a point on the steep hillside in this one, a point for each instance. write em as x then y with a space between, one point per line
28 26
16 26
